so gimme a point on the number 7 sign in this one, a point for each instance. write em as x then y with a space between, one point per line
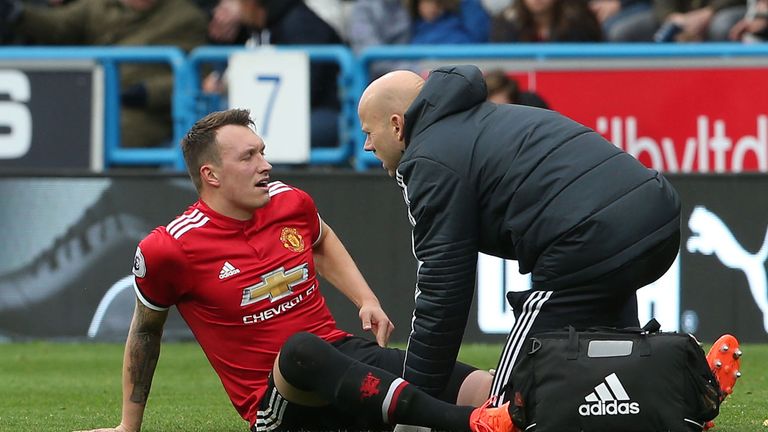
274 85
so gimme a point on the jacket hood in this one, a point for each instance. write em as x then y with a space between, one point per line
448 90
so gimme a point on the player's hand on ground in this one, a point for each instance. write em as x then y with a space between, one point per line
376 321
120 428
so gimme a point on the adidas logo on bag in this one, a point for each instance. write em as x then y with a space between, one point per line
228 270
609 398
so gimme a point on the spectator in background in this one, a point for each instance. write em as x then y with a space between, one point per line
332 12
546 21
625 20
8 13
224 27
379 22
145 88
448 21
503 89
6 35
291 22
494 7
754 26
697 20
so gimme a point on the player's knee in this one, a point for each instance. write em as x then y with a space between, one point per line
475 388
301 356
301 348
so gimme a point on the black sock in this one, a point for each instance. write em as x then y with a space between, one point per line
311 364
376 391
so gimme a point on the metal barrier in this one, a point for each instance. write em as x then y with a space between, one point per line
109 58
347 82
538 53
352 80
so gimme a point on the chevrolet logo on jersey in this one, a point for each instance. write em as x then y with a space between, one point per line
275 285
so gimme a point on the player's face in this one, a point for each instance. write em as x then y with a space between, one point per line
243 173
381 138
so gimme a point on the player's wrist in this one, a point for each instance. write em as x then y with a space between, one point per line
131 421
370 302
126 427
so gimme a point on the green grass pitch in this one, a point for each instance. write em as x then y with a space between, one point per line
65 387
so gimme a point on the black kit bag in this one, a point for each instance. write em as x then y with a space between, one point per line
609 380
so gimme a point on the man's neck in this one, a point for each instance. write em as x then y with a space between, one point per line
225 208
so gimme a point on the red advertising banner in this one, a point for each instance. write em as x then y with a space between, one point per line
677 119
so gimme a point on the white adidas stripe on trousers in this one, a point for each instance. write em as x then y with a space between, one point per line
516 340
272 417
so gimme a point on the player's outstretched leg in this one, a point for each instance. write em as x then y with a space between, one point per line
724 359
310 364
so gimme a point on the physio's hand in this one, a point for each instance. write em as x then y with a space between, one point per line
376 321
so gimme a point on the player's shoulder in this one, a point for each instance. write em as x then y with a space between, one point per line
159 244
160 250
282 191
192 219
166 239
279 188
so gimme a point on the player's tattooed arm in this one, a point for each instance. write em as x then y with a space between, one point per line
144 354
143 351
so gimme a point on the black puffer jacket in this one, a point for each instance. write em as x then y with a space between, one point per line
519 183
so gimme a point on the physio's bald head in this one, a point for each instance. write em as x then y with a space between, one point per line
391 94
382 115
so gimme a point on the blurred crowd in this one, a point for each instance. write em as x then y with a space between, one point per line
359 24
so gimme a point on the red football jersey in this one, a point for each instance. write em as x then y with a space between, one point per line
242 287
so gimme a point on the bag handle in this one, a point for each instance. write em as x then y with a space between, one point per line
644 346
651 326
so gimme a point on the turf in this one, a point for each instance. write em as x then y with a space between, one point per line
65 387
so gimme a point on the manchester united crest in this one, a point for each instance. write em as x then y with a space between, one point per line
292 240
370 386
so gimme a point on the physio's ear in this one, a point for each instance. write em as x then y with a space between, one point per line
397 122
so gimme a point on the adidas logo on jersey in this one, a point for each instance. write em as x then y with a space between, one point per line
228 270
609 398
